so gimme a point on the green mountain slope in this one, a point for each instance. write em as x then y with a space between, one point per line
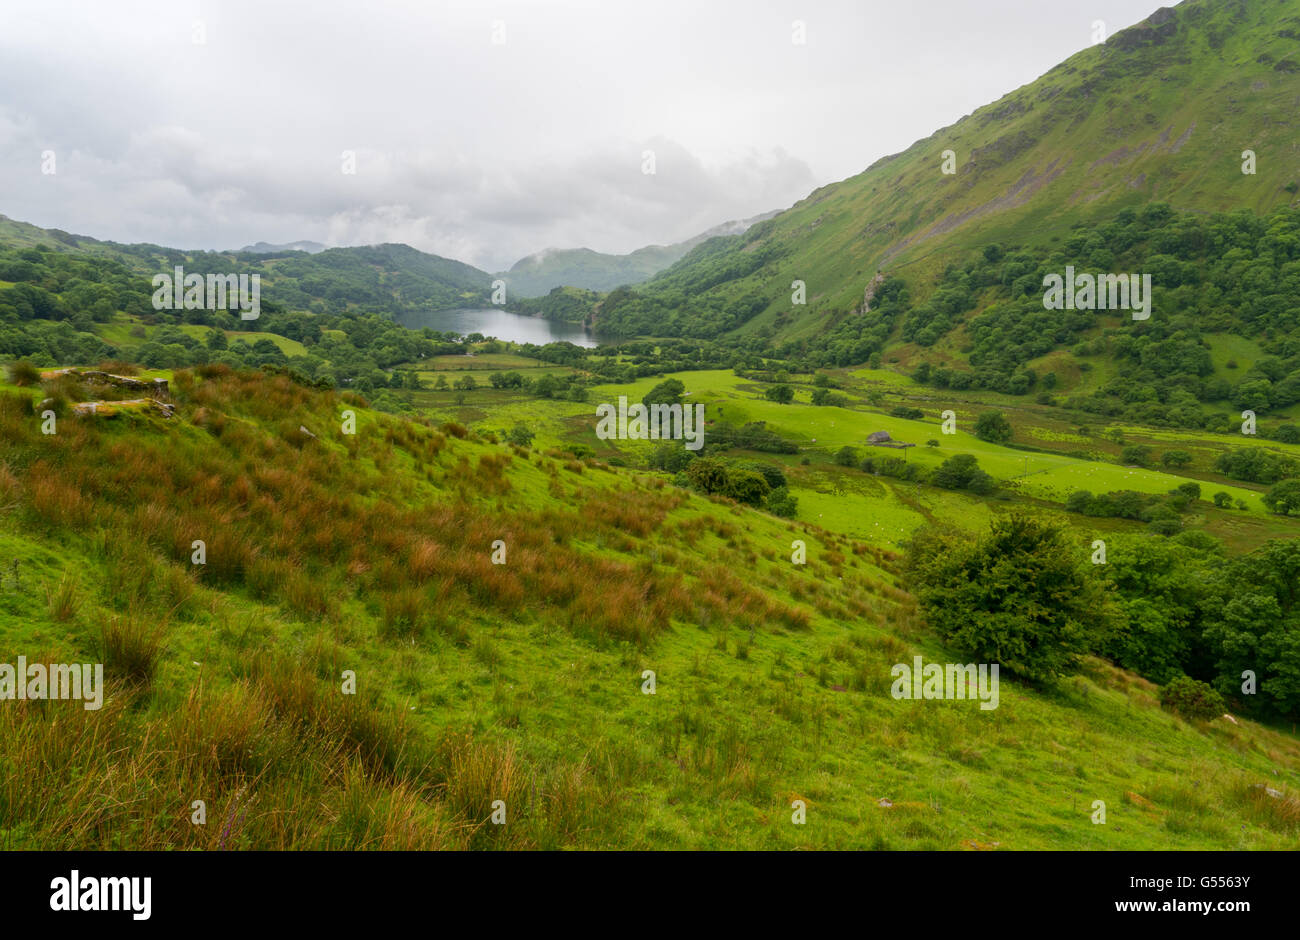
382 279
541 273
1162 111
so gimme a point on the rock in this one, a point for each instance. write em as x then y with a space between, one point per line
1230 718
884 803
1275 794
157 386
304 430
110 409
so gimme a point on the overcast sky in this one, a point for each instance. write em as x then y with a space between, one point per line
479 150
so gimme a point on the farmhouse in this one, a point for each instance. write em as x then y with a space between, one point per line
882 439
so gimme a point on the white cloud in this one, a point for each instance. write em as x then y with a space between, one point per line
475 151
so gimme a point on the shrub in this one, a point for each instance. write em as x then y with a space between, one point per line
130 650
24 374
781 503
846 456
1018 596
707 475
1137 455
670 457
1222 500
962 472
782 393
772 474
1079 501
1192 699
993 426
1255 464
1283 498
667 392
746 486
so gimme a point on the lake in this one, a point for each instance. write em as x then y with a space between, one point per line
502 324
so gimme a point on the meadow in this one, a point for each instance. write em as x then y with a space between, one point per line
525 681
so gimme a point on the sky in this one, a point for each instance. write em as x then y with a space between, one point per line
485 131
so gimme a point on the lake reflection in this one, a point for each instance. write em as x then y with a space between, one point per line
502 324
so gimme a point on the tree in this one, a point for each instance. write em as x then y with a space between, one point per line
1256 626
993 426
781 503
1283 498
746 486
1192 698
667 392
782 393
1079 501
1019 596
1138 455
1288 434
1223 500
962 472
846 456
1176 458
707 475
520 435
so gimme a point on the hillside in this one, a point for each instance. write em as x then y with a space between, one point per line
379 279
266 248
540 273
1161 112
370 555
357 586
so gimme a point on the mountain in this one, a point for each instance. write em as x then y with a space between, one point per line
1162 111
266 248
383 279
538 274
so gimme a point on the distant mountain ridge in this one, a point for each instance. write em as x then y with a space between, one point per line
266 248
382 279
537 274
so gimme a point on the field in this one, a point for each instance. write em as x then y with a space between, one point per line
767 691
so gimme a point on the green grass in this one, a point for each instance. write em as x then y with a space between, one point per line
504 695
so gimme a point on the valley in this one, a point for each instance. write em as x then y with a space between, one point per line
931 513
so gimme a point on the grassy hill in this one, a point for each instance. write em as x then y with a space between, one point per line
375 279
539 274
1160 112
523 681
